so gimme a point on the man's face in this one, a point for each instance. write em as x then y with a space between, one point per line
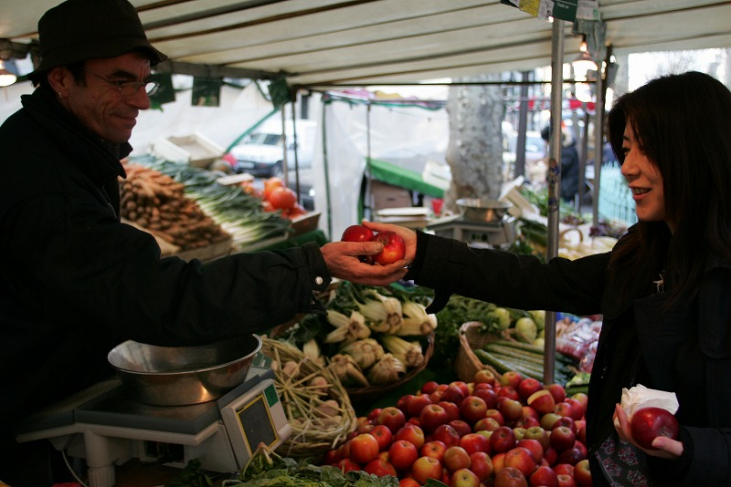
100 105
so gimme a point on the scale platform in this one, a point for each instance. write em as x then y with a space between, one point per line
104 426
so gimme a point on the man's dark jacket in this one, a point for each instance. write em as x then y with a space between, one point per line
75 282
633 328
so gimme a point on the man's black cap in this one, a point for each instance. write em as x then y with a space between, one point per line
82 29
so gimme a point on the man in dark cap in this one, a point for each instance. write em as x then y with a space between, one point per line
75 281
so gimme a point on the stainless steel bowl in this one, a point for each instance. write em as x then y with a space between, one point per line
476 209
179 376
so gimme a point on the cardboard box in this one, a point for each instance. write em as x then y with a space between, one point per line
196 149
389 196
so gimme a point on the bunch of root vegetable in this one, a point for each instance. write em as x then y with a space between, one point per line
156 202
316 403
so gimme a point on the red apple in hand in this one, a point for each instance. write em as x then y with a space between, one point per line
357 233
649 423
394 247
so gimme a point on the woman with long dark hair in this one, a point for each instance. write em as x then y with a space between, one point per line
663 291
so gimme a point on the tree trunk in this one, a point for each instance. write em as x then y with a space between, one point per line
474 152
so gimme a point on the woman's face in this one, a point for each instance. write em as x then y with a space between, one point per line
643 179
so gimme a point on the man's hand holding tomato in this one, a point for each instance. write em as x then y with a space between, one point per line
344 259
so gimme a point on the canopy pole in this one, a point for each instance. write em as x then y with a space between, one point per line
295 152
285 169
554 187
600 110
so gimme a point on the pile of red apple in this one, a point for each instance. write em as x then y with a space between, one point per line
498 432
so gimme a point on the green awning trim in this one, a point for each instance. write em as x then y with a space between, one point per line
404 178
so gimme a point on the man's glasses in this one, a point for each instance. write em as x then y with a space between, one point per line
130 88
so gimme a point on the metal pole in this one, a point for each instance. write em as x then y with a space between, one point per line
519 169
296 152
582 161
598 143
554 186
284 145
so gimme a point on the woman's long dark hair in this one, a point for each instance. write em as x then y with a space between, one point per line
683 124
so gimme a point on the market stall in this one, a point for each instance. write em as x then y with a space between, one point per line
492 349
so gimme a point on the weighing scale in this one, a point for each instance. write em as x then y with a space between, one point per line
476 233
104 426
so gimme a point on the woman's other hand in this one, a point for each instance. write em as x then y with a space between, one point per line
666 448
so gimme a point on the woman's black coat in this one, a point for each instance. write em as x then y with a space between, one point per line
694 363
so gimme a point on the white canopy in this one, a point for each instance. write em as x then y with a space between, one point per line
371 42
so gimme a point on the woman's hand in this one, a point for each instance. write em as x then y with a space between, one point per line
666 448
407 234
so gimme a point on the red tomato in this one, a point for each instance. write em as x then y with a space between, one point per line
296 210
282 198
270 184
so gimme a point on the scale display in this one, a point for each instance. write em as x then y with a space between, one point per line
257 431
257 417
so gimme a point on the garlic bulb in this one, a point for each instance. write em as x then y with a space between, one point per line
345 368
347 329
416 320
410 353
365 352
386 370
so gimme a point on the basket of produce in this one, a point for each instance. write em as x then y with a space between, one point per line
363 393
374 339
314 400
471 338
504 352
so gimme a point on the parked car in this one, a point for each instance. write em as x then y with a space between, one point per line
261 154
